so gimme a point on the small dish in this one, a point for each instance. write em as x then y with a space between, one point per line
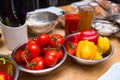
104 27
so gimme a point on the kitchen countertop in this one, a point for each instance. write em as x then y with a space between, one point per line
70 70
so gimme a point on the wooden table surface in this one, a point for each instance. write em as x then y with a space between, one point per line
70 70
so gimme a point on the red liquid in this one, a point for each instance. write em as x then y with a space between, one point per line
71 23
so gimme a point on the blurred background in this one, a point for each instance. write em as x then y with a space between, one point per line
9 8
19 8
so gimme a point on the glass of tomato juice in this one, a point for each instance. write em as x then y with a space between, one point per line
72 21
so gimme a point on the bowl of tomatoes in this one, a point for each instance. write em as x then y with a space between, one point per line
88 48
41 55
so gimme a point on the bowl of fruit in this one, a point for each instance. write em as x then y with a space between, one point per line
8 69
88 48
40 56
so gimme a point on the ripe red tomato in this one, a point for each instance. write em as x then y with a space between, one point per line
31 41
27 66
37 63
33 50
17 57
51 58
25 57
56 40
60 54
44 50
43 40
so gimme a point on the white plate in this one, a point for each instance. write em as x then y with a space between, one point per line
52 9
113 73
79 3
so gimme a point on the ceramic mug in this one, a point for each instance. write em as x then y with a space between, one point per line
14 35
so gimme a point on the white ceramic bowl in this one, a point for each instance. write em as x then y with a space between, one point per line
38 72
70 38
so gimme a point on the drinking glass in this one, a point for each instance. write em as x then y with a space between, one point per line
86 15
72 21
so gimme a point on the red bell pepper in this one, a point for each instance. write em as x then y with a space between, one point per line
90 35
72 47
5 76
